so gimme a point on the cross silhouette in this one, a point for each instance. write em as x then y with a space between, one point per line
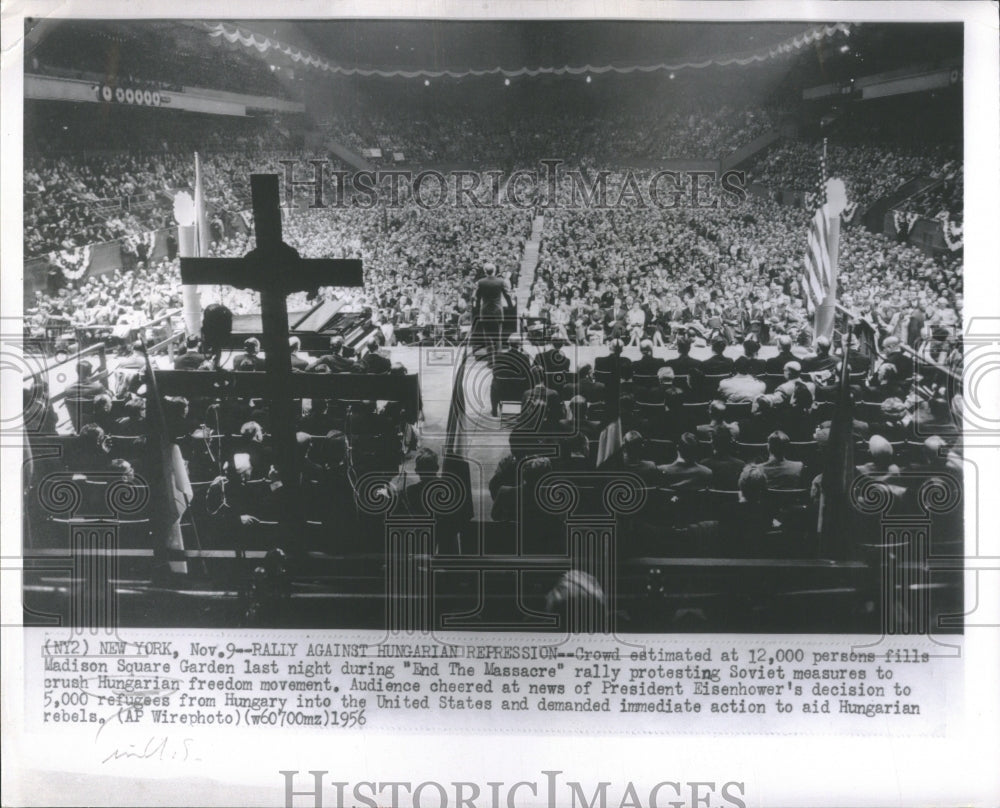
276 270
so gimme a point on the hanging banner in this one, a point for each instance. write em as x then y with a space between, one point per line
262 44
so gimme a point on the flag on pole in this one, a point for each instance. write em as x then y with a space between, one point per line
200 215
817 280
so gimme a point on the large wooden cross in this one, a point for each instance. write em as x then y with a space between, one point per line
275 270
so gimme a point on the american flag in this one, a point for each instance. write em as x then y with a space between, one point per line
816 281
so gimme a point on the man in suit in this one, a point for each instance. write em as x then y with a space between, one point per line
755 365
335 361
821 360
647 364
620 367
593 391
880 468
683 364
742 387
426 466
793 377
717 418
760 424
491 292
915 323
686 472
85 386
250 359
782 474
632 460
189 357
577 420
857 362
726 468
717 363
511 369
373 362
894 356
616 319
776 364
553 360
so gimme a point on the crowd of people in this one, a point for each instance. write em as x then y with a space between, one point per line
72 199
869 170
658 273
447 133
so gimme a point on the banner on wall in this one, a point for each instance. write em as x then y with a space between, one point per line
123 94
235 35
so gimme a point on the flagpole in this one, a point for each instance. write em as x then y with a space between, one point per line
826 311
192 243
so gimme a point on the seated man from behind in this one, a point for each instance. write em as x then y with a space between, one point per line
686 473
633 447
250 359
742 387
718 363
553 360
511 373
591 390
647 364
373 361
782 474
880 468
726 469
716 418
335 361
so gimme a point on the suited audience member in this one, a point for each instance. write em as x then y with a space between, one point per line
335 361
742 387
646 364
250 359
686 472
619 367
718 363
591 390
553 360
633 446
85 386
782 474
725 468
716 418
188 356
776 364
755 366
512 373
578 421
880 467
821 360
762 422
683 364
374 362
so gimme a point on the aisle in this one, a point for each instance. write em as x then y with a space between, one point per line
529 262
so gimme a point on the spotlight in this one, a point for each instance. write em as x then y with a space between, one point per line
427 82
588 79
506 82
673 76
845 48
